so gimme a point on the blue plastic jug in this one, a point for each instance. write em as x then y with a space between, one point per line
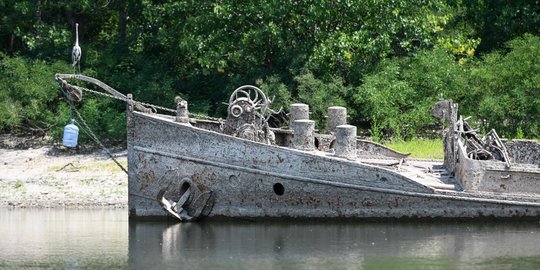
71 134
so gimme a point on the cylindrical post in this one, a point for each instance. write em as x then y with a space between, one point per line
336 116
182 114
299 111
130 102
304 135
346 141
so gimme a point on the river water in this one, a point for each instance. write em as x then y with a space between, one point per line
105 239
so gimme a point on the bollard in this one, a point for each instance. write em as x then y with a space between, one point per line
345 141
182 114
336 116
299 111
130 102
304 135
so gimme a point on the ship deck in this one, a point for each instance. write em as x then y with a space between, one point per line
424 171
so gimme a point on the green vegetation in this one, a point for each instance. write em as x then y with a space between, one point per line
388 61
106 165
18 184
102 165
419 148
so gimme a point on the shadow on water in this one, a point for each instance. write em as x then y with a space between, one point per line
105 239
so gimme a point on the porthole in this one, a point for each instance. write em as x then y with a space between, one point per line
279 189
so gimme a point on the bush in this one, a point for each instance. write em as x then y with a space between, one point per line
508 89
31 102
500 91
320 95
397 98
28 94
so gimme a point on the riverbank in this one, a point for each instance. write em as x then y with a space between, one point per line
46 176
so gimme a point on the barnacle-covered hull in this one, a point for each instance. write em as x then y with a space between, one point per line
241 167
208 174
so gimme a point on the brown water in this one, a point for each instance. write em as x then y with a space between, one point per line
104 239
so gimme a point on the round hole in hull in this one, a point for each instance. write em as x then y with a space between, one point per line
279 189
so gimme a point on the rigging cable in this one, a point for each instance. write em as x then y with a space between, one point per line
89 132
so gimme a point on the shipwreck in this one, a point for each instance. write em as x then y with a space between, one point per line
191 167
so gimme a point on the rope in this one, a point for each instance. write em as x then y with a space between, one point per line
86 129
89 132
148 104
125 99
94 137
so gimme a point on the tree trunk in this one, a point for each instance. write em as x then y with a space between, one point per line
38 11
11 43
122 21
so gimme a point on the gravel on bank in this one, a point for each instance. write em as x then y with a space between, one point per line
55 177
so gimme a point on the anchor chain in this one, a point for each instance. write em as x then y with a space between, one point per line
147 104
118 96
89 132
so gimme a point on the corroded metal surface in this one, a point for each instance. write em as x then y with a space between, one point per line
365 147
253 180
346 142
336 116
242 168
524 151
304 135
299 111
485 164
248 107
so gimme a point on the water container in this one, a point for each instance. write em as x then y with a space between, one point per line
71 134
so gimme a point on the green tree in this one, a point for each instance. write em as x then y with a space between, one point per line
320 95
28 95
506 88
497 21
385 60
397 98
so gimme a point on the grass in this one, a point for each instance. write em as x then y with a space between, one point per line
18 184
102 165
419 148
106 165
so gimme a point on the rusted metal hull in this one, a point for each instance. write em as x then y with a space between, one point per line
236 178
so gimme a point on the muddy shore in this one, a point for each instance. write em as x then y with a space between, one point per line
49 176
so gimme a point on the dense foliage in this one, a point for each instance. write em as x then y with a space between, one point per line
387 61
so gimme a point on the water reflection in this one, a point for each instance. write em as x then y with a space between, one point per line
63 239
89 239
331 245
